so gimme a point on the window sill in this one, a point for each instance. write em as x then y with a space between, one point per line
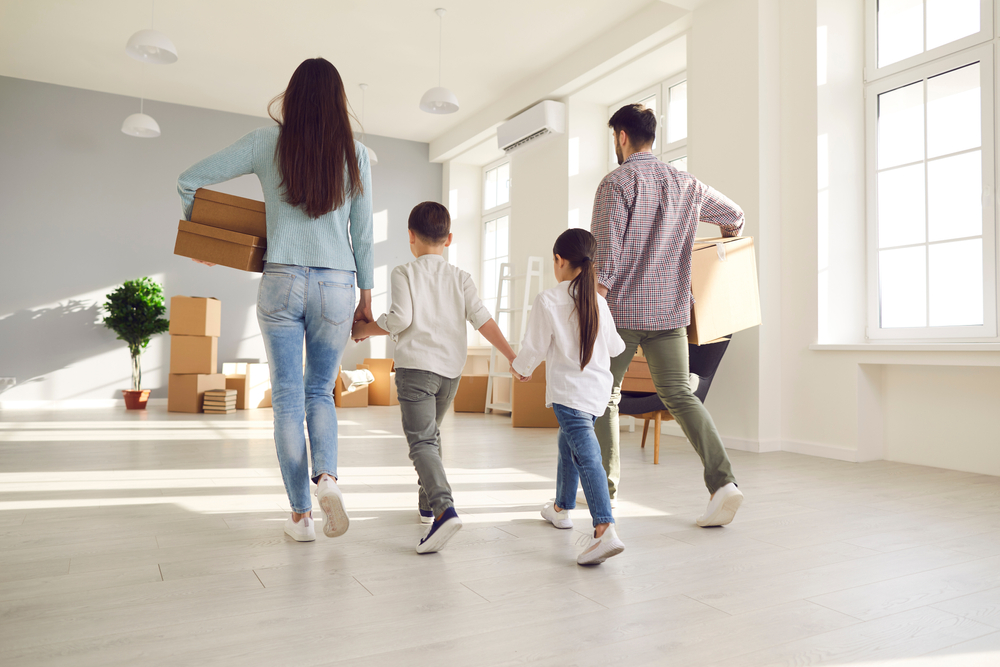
906 347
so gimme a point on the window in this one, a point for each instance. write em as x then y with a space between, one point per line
496 238
669 100
930 174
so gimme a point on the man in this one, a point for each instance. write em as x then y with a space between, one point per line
645 217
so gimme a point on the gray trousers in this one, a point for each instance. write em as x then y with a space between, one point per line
424 398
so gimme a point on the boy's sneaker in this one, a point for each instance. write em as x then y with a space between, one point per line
722 507
599 549
558 519
441 531
303 531
426 516
331 501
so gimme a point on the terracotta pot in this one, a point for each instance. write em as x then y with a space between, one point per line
135 400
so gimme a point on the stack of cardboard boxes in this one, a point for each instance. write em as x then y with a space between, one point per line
224 229
195 325
252 383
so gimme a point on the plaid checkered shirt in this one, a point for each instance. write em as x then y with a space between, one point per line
645 217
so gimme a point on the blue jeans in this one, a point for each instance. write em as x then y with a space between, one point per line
580 463
296 302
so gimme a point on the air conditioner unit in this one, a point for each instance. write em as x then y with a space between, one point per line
546 117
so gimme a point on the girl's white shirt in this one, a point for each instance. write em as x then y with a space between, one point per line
553 336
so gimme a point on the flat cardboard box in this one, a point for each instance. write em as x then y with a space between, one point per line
194 355
220 246
528 407
252 382
471 395
237 214
195 316
356 398
383 390
724 285
186 393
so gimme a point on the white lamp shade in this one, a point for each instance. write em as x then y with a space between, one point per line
141 125
372 158
150 46
439 100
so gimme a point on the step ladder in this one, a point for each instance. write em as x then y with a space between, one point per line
507 279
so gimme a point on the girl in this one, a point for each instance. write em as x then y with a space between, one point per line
572 330
317 193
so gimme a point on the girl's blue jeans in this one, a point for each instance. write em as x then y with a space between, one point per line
580 463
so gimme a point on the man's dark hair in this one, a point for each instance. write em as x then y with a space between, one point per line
431 222
638 122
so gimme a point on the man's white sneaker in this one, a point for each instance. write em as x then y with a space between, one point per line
558 519
331 501
302 531
722 507
599 549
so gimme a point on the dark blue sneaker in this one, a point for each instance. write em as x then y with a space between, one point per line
426 516
441 531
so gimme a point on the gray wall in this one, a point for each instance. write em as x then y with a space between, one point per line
84 207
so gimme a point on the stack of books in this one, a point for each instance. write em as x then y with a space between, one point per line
220 401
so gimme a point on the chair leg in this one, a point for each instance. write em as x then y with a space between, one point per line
645 430
656 440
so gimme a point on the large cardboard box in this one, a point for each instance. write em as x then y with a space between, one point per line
237 214
186 393
195 316
383 390
252 382
637 376
528 408
471 395
724 285
194 355
220 246
357 397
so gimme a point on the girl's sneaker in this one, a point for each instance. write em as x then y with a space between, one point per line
331 501
558 519
426 516
303 531
599 549
441 531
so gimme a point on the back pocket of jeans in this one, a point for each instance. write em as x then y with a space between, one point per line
338 301
274 292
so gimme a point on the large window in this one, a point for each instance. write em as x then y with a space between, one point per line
496 238
930 101
667 99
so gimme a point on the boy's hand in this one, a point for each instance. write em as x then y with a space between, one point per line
518 376
357 332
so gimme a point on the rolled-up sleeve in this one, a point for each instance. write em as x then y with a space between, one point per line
475 310
400 314
361 224
718 209
608 227
537 339
232 161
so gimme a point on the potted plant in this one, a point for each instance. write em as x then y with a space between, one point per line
134 313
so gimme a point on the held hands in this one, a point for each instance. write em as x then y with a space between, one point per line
518 376
362 316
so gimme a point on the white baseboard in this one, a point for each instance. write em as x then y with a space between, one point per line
761 447
823 451
74 404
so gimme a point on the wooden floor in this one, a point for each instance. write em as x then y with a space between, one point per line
156 539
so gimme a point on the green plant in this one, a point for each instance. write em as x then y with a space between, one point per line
134 313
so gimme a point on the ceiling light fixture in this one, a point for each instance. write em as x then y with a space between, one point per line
438 99
372 158
150 46
141 125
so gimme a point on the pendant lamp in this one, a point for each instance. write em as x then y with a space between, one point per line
141 125
372 158
150 46
438 99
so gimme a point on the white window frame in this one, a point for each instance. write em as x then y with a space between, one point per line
985 56
661 149
489 214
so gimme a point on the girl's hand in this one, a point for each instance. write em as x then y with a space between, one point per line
518 376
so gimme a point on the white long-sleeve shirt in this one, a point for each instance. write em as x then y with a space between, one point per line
431 302
553 336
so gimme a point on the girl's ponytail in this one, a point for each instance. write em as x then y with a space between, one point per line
578 247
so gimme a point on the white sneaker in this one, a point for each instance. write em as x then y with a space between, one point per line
722 507
601 548
331 501
302 531
581 500
558 519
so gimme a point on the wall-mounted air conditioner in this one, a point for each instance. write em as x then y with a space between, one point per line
544 118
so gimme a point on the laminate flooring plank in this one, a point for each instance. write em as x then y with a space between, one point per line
71 584
983 606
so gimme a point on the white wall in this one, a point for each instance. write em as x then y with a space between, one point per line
462 192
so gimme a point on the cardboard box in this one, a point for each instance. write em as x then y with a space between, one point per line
195 316
356 398
252 382
637 376
724 285
237 214
471 395
383 390
194 355
220 246
528 407
186 393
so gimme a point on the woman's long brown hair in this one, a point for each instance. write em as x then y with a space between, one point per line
578 247
315 152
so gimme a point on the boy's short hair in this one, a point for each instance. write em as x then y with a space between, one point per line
431 222
638 122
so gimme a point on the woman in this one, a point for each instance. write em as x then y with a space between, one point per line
317 192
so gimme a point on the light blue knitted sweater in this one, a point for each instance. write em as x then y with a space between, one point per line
341 239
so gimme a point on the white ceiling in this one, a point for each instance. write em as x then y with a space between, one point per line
235 55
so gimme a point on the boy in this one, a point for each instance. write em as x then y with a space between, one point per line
431 301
